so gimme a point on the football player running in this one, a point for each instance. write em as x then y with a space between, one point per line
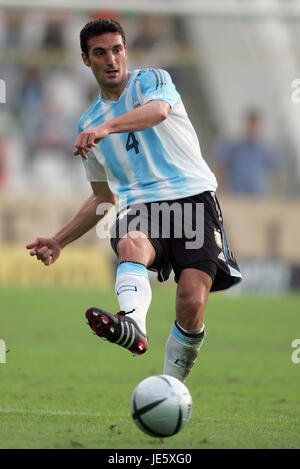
139 147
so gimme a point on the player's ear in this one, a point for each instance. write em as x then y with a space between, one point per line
85 59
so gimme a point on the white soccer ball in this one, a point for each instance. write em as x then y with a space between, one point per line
161 405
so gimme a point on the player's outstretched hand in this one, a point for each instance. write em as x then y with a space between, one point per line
46 250
88 139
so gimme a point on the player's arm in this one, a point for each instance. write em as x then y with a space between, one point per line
222 176
48 249
144 117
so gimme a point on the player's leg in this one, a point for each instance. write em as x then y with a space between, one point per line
128 327
132 286
210 267
188 331
191 297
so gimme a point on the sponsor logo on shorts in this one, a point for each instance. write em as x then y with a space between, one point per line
222 257
218 238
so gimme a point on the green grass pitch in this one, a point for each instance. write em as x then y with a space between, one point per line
62 387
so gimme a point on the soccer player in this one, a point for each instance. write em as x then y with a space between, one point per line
138 145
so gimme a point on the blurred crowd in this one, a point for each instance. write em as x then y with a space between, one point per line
48 88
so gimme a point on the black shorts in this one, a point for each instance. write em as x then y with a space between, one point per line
185 233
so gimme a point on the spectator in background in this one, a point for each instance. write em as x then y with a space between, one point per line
147 34
2 164
13 25
153 44
54 31
28 105
248 166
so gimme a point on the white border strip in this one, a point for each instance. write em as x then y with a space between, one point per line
209 8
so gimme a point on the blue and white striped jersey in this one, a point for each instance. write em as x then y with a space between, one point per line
160 163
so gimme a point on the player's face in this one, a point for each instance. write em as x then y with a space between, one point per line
107 59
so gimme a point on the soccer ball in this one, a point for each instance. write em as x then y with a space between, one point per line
161 405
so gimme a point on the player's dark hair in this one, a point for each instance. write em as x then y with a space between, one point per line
98 27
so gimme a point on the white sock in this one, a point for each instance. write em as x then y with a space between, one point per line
181 351
134 292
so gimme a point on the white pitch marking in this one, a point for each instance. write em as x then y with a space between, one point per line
233 418
50 412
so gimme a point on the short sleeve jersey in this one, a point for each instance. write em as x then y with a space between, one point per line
163 162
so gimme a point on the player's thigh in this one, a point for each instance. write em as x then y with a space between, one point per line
196 247
131 239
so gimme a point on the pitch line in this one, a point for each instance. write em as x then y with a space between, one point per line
50 412
232 418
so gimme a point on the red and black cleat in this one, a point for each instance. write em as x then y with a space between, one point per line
118 329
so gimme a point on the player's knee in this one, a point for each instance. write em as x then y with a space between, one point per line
192 302
190 310
135 249
127 247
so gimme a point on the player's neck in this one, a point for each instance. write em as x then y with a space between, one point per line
113 94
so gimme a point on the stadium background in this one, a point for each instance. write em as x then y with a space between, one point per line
226 57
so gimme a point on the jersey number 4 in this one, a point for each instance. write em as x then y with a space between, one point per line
132 143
